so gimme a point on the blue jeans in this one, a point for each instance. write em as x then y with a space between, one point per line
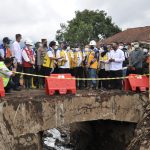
92 74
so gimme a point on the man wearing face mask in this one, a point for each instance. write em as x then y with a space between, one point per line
63 63
78 65
17 54
85 51
28 62
4 48
126 55
50 60
92 63
70 54
136 60
116 58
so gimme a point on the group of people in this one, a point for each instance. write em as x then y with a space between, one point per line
92 61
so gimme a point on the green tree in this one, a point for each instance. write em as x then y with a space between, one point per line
87 25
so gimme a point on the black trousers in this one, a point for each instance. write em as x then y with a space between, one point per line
78 72
28 79
9 86
64 70
136 71
45 71
116 84
103 83
85 75
16 78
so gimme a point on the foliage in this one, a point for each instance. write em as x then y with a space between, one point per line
87 25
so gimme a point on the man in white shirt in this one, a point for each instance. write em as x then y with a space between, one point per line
17 54
116 58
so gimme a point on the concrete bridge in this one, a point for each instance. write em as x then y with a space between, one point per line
24 114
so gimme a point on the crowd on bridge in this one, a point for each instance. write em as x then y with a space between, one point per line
94 60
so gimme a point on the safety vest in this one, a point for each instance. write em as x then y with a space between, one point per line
8 53
71 57
48 62
90 58
30 55
3 76
102 59
75 63
62 54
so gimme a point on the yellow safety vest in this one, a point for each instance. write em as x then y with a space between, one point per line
71 57
75 63
3 76
103 59
62 54
90 59
48 62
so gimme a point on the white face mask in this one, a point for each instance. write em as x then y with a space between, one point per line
56 47
121 47
136 46
77 49
30 47
68 48
145 50
86 49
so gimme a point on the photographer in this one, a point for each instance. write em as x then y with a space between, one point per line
6 74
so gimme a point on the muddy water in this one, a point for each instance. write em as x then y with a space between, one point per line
95 135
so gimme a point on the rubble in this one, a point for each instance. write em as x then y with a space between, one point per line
141 140
57 139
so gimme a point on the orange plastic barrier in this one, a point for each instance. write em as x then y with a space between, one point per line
2 90
57 82
135 82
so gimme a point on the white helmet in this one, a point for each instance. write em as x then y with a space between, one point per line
92 43
29 42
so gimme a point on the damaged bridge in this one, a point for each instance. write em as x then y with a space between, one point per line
25 114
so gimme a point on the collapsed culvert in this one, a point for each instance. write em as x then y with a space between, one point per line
93 135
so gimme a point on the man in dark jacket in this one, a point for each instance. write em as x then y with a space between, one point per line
136 60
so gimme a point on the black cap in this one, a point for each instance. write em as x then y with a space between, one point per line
6 40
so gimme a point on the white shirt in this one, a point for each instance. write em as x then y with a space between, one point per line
17 52
67 64
50 53
118 56
25 56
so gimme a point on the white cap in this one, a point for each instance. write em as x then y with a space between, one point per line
29 42
92 43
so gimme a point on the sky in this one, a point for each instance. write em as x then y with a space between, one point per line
36 19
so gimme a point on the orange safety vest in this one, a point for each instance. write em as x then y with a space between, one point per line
8 53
